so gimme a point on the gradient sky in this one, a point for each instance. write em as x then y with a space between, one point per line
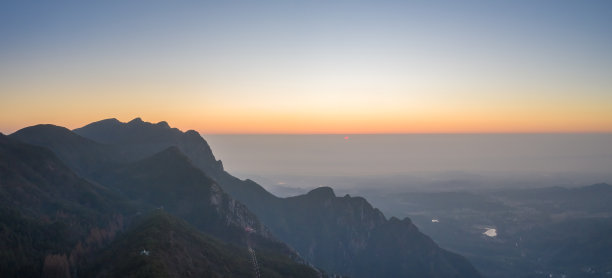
310 66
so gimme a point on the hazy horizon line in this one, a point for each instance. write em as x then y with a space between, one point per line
422 133
10 130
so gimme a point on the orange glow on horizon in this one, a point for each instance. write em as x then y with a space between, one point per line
359 69
253 123
221 117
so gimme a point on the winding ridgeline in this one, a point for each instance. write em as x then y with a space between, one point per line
138 199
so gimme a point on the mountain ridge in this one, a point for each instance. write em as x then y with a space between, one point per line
54 221
334 233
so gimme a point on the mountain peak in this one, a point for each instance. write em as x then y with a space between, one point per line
136 120
47 128
322 192
107 122
134 131
45 132
163 124
192 132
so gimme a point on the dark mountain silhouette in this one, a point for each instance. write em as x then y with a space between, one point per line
137 139
161 245
82 155
333 233
54 222
346 234
168 180
34 178
47 210
157 165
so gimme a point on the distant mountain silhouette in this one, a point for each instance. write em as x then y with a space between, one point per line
81 154
593 198
342 235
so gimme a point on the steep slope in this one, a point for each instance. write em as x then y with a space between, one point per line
53 222
168 180
134 141
47 210
34 179
332 230
346 235
175 249
138 139
338 234
398 249
335 233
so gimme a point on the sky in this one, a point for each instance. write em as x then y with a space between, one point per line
234 67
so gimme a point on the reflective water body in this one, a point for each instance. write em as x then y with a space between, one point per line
490 232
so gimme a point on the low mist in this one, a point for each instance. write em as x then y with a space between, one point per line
285 163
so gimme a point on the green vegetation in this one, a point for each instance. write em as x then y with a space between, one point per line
56 224
130 169
176 249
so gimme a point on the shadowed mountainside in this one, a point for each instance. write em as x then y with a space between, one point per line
47 210
340 235
347 234
330 232
173 248
54 222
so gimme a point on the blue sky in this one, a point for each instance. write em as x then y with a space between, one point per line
403 66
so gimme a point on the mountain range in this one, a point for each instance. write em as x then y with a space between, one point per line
109 191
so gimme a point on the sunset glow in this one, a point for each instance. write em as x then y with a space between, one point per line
309 68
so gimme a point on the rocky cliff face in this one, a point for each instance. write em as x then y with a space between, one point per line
333 230
347 235
336 234
169 180
138 139
50 214
342 235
